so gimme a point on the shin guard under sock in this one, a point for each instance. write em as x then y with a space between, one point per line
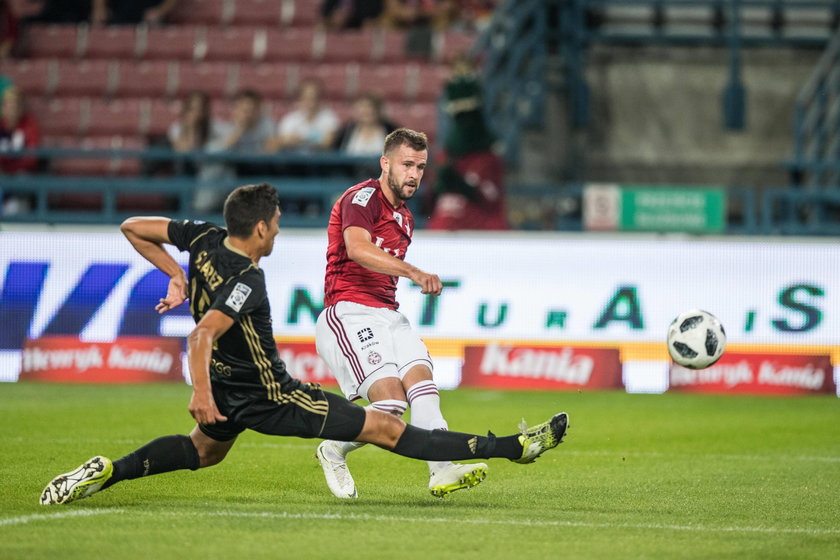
439 445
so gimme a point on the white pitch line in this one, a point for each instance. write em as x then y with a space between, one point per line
24 519
518 522
384 518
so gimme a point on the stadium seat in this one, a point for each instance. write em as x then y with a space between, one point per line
299 13
60 41
116 41
62 116
293 44
426 81
146 78
86 77
390 47
232 43
160 113
208 12
118 117
214 78
349 46
93 167
332 76
34 77
417 116
270 80
257 12
386 80
169 43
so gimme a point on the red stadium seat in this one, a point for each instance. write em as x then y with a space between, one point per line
214 78
289 44
417 116
386 80
94 167
391 47
257 12
349 46
86 77
60 41
233 43
118 117
209 12
428 83
115 41
300 13
61 116
147 79
169 43
332 76
161 113
33 77
271 80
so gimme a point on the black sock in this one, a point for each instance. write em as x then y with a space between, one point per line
441 445
165 454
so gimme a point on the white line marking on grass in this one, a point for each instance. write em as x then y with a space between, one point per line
24 519
729 456
518 522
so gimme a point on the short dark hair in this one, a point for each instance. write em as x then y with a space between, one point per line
247 206
250 95
416 140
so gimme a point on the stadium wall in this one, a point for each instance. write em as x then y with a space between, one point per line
582 298
657 116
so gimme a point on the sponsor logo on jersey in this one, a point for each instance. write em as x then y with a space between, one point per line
365 334
237 297
363 196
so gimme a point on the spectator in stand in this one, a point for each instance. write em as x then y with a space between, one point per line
5 83
470 177
420 19
247 134
351 14
196 130
131 12
9 31
310 126
364 133
18 130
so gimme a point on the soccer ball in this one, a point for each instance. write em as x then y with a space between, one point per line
696 339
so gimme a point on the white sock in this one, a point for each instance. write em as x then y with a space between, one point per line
424 400
339 449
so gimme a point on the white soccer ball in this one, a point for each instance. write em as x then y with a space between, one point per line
696 339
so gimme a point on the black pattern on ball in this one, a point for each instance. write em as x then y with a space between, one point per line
684 350
711 342
690 323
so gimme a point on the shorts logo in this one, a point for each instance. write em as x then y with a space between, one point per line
374 358
363 196
237 297
365 334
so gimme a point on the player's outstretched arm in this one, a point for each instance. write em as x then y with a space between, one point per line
199 350
147 235
361 249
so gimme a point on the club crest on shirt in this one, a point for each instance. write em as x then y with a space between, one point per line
398 217
237 297
363 196
374 358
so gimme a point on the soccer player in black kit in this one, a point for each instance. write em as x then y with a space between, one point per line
238 379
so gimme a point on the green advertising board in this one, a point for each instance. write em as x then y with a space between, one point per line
672 209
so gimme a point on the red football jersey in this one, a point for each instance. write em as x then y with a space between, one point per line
364 205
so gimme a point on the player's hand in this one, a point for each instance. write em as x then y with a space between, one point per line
429 283
203 408
175 295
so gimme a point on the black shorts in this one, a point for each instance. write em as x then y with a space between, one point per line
300 409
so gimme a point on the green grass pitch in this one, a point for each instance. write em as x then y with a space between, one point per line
639 476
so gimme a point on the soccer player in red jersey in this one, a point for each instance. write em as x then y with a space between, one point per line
367 343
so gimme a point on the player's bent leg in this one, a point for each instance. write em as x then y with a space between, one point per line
210 451
79 483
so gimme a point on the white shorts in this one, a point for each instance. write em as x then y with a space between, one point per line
362 344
